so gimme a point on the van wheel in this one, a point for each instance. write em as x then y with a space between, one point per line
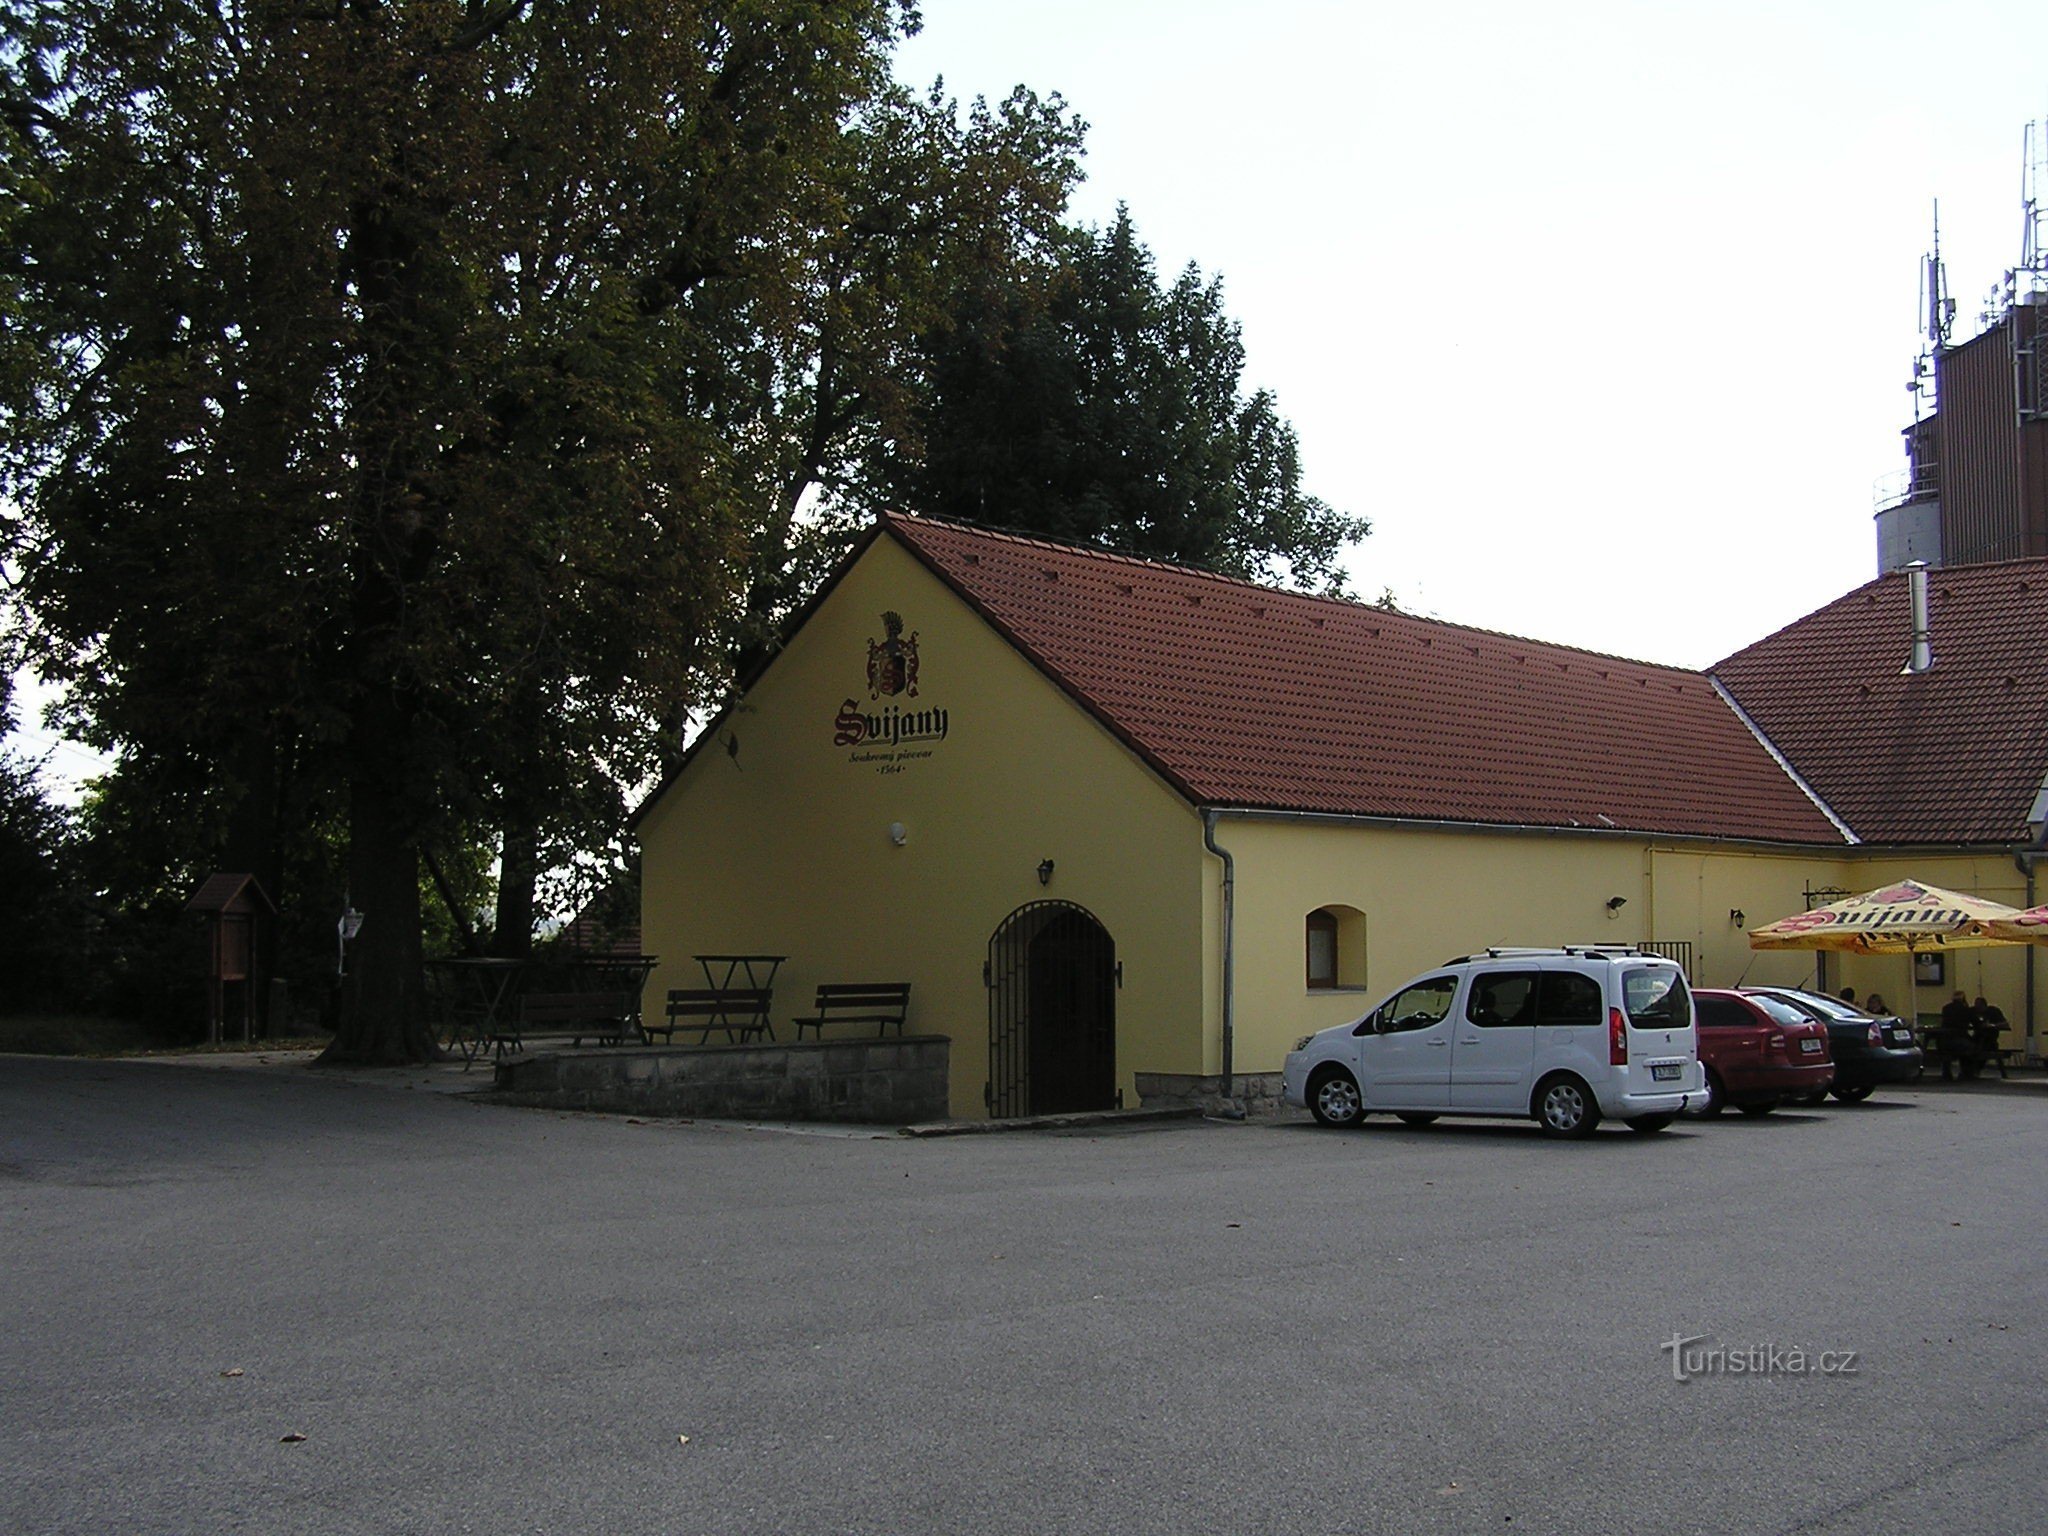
1717 1096
1415 1117
1566 1107
1333 1098
1650 1124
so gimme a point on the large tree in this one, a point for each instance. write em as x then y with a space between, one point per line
409 380
1092 403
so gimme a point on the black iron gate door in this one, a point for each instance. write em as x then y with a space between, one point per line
1051 1012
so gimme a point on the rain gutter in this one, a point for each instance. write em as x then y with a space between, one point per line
1209 819
2025 860
1507 829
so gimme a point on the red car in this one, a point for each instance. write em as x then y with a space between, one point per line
1759 1051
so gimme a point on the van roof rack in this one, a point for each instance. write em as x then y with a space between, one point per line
1515 952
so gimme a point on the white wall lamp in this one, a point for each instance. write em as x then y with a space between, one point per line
1737 918
899 834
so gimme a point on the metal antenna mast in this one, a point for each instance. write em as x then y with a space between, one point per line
1937 315
2032 272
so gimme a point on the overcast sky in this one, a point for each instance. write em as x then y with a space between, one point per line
1602 312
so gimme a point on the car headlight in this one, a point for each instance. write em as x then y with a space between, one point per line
1302 1043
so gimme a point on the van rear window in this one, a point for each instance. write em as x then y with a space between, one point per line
1656 999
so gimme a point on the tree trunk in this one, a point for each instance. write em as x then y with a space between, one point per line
383 1001
383 995
518 871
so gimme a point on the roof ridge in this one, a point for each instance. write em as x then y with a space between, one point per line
1346 605
1935 574
1099 551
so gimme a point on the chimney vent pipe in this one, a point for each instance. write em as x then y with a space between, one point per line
1923 645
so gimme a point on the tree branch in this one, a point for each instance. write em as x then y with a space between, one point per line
486 21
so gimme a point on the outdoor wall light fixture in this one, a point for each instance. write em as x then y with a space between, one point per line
899 834
1736 917
1045 871
350 925
1615 904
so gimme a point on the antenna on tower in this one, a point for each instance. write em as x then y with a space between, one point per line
1941 309
2031 276
1937 315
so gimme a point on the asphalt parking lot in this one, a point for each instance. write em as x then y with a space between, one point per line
495 1320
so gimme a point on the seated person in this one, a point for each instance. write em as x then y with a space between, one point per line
1957 1037
1875 1004
1987 1024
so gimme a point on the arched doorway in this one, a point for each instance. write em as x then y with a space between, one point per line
1052 981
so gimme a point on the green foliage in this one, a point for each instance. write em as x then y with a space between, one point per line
929 203
1094 405
49 925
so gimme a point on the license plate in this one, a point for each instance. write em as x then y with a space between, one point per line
1810 1045
1665 1071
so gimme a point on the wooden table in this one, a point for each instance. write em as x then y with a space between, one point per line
759 971
613 973
480 985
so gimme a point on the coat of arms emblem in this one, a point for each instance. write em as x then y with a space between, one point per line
892 661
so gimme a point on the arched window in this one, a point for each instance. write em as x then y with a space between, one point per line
1322 948
1335 938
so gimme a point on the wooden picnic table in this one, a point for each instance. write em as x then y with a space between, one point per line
474 1005
1958 1054
612 973
759 971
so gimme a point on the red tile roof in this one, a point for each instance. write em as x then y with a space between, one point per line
1244 696
1952 755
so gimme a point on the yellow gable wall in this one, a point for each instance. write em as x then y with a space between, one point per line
1428 895
784 849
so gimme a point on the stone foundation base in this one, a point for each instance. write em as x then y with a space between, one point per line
868 1082
1254 1095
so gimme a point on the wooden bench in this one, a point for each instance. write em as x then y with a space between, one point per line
741 1012
1958 1058
606 1017
880 1003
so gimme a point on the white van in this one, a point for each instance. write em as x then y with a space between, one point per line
1565 1036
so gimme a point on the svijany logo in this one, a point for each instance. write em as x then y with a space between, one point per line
893 732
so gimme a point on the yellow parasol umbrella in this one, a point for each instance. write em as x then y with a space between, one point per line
2028 927
1905 918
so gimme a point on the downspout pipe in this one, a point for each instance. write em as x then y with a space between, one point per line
1231 1108
2025 861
